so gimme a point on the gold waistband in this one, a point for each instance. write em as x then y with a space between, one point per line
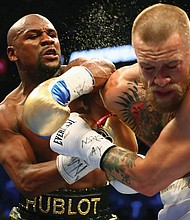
86 202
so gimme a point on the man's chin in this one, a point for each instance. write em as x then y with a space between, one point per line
50 69
166 107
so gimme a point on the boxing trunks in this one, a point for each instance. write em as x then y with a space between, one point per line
66 204
176 201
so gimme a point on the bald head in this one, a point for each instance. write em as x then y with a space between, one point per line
34 46
22 24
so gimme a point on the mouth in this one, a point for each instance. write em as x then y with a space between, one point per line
163 93
50 54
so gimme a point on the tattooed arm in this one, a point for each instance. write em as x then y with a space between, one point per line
126 98
168 157
167 160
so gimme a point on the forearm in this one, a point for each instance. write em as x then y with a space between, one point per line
76 62
132 170
36 179
116 162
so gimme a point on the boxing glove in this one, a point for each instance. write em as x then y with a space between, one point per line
65 141
46 107
74 168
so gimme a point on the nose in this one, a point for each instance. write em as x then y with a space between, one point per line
162 80
46 39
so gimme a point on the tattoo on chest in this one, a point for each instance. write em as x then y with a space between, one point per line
138 114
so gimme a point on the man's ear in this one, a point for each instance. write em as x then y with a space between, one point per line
12 53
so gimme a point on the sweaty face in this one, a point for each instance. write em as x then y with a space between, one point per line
165 72
37 48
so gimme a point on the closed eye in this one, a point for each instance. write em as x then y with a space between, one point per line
173 64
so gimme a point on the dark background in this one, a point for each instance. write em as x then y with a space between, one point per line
81 25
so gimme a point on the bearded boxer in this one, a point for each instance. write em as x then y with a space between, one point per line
44 194
147 96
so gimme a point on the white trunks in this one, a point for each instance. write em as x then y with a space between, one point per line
176 201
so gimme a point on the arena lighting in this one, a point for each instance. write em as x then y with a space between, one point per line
117 54
3 66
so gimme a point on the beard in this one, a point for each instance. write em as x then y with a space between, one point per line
42 72
47 71
170 104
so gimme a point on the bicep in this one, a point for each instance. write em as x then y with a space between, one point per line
16 154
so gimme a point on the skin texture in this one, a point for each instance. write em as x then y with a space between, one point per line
34 46
152 98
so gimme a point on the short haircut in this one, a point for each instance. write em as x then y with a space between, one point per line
158 22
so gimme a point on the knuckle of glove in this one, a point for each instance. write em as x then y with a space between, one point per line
65 139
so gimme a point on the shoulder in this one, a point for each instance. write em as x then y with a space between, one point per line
10 111
130 73
125 80
124 77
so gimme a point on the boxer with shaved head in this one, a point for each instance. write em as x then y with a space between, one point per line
34 47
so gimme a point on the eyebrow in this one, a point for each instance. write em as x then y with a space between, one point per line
39 30
167 62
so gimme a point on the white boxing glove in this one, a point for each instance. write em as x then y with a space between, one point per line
72 168
48 103
122 188
76 138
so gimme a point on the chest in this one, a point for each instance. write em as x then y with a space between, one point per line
40 146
